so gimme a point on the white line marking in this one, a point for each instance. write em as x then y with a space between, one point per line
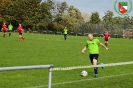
76 81
70 68
78 67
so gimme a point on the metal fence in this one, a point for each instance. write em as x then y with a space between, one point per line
31 67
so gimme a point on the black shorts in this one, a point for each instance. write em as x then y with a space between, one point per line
20 34
10 30
106 40
4 31
93 56
65 34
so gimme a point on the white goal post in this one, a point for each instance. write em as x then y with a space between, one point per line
32 67
128 33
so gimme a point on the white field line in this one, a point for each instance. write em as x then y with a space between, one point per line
76 81
78 67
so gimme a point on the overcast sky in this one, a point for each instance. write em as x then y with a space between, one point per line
100 6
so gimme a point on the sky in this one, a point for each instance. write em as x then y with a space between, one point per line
101 6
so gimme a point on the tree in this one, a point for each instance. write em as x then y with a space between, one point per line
61 8
72 19
108 19
117 20
3 6
126 22
95 18
132 22
30 13
86 16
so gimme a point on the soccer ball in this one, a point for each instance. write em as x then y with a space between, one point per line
84 73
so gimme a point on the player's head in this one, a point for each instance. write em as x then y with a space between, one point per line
90 36
4 23
19 24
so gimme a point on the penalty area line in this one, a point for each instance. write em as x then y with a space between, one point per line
76 81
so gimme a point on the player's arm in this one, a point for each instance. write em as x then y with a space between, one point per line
104 46
84 49
109 37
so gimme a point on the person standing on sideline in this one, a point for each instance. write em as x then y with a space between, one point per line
92 46
4 29
106 37
20 31
10 27
65 33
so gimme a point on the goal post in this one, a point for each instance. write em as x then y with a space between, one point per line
128 33
50 67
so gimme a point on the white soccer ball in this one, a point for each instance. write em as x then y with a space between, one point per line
84 73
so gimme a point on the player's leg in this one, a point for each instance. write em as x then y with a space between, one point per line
95 61
102 65
4 33
65 36
20 36
23 38
9 33
105 42
95 67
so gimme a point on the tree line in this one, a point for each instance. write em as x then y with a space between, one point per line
53 15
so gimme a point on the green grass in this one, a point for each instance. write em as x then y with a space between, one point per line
41 49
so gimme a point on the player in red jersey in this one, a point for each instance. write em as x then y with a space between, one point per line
4 29
20 31
106 37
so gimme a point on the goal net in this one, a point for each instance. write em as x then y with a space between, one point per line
128 33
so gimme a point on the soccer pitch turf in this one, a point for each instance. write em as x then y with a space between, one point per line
41 49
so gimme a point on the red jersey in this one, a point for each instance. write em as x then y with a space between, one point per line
4 27
20 29
106 36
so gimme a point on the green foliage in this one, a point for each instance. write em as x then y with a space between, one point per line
3 13
29 12
95 18
54 15
72 19
108 19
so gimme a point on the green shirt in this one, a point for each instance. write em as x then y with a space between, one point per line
10 27
93 46
65 31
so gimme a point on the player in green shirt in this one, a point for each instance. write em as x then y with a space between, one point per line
92 46
65 33
10 27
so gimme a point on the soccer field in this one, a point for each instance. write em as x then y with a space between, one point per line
41 49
